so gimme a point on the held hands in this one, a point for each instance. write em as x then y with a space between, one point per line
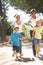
20 39
32 38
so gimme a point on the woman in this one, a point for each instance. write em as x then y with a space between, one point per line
33 18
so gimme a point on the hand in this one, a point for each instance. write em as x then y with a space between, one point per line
32 38
20 39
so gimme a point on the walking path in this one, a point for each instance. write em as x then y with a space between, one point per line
7 59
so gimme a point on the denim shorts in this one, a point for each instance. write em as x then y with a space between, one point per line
16 48
36 41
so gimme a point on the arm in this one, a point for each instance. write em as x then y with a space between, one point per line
24 38
23 29
33 34
9 41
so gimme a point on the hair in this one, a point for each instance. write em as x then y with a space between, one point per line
33 10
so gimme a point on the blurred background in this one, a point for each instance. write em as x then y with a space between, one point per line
9 8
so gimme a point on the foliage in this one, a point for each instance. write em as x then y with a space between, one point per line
26 5
9 28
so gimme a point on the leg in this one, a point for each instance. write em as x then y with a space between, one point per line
33 46
37 48
20 48
34 51
14 52
17 53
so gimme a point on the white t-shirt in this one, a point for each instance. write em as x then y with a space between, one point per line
20 26
33 21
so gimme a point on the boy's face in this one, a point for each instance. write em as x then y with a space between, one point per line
16 30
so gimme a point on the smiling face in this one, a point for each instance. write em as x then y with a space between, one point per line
33 13
16 29
17 17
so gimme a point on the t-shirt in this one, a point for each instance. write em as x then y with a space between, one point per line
15 39
38 31
20 26
33 21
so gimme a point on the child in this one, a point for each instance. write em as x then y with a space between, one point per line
16 38
37 36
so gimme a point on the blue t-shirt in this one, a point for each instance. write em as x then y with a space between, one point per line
15 39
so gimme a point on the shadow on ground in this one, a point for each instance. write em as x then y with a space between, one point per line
41 58
25 60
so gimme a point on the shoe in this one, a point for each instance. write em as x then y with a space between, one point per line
34 58
18 59
39 56
13 55
21 55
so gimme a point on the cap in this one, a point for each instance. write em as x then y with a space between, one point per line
16 26
33 10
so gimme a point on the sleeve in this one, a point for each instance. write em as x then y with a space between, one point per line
20 35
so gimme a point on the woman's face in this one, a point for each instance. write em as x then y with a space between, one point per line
17 17
33 14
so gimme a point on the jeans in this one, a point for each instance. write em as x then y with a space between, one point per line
33 46
20 48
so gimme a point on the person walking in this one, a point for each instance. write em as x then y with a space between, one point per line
19 23
32 22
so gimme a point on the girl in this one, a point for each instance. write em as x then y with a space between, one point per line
37 36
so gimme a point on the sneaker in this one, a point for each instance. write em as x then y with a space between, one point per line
18 59
34 58
21 55
13 55
39 55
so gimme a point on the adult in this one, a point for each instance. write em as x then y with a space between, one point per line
32 21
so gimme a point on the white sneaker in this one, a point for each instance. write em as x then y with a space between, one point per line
34 57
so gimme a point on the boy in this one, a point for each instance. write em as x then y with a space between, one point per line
16 38
37 36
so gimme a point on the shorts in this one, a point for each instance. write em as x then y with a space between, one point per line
36 41
16 48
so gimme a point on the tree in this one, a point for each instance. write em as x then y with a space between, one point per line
26 5
4 26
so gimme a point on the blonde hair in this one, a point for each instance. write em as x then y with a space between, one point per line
38 22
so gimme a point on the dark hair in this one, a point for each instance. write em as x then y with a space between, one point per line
16 27
33 10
